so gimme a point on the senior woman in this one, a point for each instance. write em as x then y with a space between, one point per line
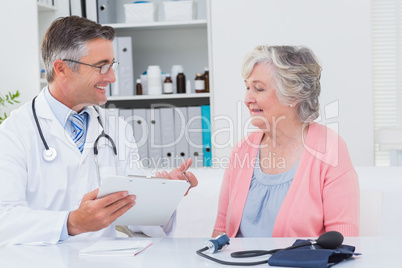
292 177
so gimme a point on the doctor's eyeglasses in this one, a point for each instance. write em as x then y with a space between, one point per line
103 69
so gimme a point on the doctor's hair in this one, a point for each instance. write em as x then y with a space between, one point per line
296 73
67 38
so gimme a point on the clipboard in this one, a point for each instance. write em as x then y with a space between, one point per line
156 198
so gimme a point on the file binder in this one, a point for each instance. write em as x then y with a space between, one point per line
111 120
106 11
127 115
126 72
91 10
114 88
141 134
76 8
181 145
167 129
108 90
155 138
194 135
206 135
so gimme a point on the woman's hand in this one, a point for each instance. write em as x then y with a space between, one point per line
180 173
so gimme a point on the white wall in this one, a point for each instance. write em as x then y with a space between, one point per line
19 68
338 31
20 49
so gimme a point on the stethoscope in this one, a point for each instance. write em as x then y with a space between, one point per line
49 154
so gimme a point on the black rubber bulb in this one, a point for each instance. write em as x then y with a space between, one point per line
330 240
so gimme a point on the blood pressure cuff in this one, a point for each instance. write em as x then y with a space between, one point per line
311 256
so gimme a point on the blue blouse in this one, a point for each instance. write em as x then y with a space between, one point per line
264 199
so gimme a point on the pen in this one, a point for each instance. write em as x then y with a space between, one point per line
185 176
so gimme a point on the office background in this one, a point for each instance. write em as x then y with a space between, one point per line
338 31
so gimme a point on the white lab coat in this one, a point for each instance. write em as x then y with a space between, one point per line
36 195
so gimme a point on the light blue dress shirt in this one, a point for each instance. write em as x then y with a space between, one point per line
62 112
264 199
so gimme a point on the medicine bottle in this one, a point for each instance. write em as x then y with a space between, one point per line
206 79
181 82
154 80
188 86
138 87
168 85
173 74
199 84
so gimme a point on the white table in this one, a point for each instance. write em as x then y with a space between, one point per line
180 252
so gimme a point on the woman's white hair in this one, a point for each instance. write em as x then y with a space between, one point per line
296 72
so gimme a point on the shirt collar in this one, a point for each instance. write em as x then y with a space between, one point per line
60 111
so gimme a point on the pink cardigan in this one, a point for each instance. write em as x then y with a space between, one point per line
324 194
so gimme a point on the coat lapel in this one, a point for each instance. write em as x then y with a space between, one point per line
93 131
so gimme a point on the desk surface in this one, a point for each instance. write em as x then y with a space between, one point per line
181 252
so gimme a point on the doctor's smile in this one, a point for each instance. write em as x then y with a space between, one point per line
103 89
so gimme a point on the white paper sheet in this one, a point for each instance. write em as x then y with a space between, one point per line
116 248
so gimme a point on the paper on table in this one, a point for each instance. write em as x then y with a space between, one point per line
116 248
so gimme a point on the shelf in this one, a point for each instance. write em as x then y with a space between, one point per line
161 25
160 97
149 101
46 7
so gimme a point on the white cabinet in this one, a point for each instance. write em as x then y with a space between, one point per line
46 6
162 43
167 43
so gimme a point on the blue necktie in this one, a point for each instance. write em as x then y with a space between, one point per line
79 130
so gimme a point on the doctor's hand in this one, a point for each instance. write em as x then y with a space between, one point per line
95 214
177 174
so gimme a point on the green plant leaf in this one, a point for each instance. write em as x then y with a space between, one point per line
9 98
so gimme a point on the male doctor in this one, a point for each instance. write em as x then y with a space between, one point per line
48 196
